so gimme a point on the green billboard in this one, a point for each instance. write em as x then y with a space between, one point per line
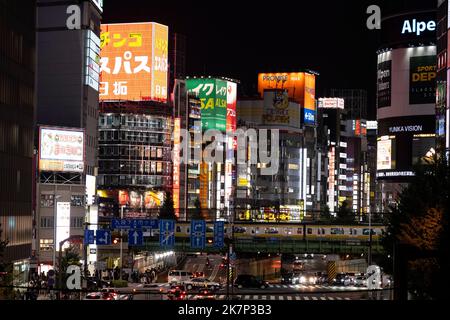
213 97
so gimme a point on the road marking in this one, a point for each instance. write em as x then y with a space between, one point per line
289 297
255 297
338 298
306 298
314 298
264 297
277 286
222 296
346 298
272 297
285 286
247 297
330 298
323 298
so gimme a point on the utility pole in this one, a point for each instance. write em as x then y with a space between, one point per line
121 245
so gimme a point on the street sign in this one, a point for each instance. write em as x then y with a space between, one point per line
134 224
219 234
198 234
166 233
233 256
103 237
89 237
135 237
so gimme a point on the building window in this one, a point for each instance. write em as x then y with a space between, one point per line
46 244
77 222
77 201
47 200
47 222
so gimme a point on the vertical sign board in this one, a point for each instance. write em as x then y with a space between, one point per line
213 98
134 62
92 68
166 233
176 166
309 107
62 223
384 84
198 234
422 81
219 234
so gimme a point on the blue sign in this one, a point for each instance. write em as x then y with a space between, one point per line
103 237
166 233
89 237
135 237
198 234
219 234
310 116
134 223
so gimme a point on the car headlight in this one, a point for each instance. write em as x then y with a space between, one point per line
302 279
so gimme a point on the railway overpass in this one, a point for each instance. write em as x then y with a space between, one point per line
278 246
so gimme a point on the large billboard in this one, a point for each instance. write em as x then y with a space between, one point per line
176 165
134 62
384 76
231 106
61 150
213 98
293 82
384 155
278 110
422 80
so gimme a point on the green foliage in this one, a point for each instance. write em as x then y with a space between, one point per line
167 210
345 213
326 215
420 221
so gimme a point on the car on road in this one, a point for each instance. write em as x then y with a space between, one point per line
177 293
250 281
155 287
204 295
198 274
308 278
113 293
290 278
94 296
179 276
342 280
361 281
201 283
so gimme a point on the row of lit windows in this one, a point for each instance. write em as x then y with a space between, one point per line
133 121
48 222
137 167
47 200
133 136
135 152
134 180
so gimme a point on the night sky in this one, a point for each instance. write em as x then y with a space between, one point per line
238 39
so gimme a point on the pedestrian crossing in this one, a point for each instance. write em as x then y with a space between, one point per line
303 286
277 297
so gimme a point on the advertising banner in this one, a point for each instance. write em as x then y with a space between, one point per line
310 92
422 80
384 155
61 150
213 97
384 78
293 82
231 106
134 62
278 110
62 223
176 164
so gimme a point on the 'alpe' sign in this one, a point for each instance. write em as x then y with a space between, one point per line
418 27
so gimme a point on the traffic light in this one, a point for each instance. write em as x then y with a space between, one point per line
116 240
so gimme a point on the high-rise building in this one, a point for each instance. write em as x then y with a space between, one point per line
68 48
442 81
355 102
135 126
406 100
332 125
17 107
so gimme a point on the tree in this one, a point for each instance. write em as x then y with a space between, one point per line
326 215
345 213
197 213
71 257
167 210
419 222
